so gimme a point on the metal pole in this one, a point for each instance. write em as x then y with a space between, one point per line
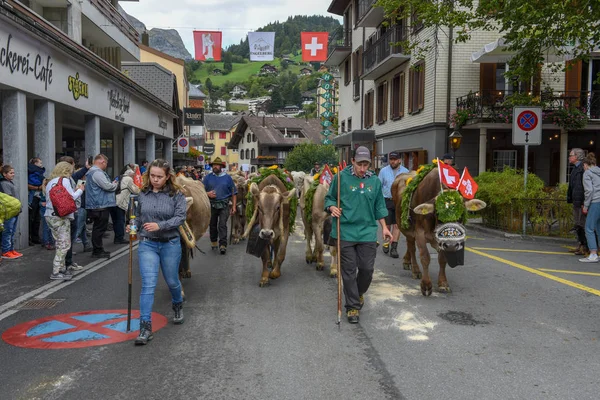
339 255
525 182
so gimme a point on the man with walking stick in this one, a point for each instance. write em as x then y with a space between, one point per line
359 206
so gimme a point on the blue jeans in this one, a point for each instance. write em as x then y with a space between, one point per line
46 232
592 223
81 228
152 256
8 235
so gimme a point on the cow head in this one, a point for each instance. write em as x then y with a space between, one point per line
268 209
450 210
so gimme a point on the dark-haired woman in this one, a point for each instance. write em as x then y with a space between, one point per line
161 210
591 205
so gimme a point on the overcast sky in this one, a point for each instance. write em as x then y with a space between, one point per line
235 18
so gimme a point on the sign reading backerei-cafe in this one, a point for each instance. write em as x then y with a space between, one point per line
29 64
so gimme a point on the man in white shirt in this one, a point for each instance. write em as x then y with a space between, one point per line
387 175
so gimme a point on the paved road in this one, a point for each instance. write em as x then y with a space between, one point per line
507 331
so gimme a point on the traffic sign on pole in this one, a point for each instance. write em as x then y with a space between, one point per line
527 126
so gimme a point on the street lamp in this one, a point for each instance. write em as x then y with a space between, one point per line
455 140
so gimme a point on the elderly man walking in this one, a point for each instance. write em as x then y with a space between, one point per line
576 196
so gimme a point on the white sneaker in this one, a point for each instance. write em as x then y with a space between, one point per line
74 267
592 258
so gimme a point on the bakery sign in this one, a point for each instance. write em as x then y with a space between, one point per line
77 87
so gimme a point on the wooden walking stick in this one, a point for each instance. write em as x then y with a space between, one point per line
132 237
339 256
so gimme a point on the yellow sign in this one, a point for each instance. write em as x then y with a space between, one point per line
77 87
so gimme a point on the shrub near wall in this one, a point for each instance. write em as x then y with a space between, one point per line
547 210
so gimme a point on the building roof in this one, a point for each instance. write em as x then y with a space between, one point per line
219 122
161 54
268 130
152 76
194 92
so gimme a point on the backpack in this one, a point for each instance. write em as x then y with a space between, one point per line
61 199
9 207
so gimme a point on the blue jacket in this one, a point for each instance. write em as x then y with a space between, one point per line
35 175
99 190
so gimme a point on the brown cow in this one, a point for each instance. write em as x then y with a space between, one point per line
424 228
319 220
272 213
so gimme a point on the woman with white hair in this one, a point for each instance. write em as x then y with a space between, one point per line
126 188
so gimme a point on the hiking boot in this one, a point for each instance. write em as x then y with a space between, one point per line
592 258
352 315
214 245
102 254
361 300
394 250
223 249
74 267
145 333
178 317
386 247
9 256
61 277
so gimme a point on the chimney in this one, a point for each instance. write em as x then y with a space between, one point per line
146 39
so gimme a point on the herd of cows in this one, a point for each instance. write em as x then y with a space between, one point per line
430 218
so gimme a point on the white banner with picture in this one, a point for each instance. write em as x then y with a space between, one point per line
262 46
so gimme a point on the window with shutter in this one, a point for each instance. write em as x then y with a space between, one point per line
223 150
222 135
416 89
382 102
421 82
347 72
369 108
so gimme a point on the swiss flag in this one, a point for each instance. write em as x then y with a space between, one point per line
137 177
467 187
448 175
314 46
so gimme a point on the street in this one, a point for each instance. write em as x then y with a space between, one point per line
521 323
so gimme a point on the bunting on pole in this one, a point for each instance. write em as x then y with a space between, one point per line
448 175
262 46
207 45
467 185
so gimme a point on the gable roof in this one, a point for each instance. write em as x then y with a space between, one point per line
270 132
194 92
219 122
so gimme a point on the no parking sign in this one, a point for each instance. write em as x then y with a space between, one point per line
527 126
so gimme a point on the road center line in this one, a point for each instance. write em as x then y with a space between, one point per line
523 251
570 272
537 272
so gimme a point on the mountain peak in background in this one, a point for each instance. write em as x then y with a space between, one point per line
167 41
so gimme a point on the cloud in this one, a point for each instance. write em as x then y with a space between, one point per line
235 18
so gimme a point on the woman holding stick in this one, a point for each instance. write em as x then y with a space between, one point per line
361 206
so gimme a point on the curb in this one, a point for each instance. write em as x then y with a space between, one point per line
515 236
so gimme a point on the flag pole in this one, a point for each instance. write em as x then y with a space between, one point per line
338 247
440 175
130 275
461 177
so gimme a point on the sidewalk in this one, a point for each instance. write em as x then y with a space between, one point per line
477 225
32 271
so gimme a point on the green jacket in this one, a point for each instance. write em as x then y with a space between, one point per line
362 206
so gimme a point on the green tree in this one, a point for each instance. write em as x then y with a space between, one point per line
296 96
304 156
276 101
530 29
208 85
227 66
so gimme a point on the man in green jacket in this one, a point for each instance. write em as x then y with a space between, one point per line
361 206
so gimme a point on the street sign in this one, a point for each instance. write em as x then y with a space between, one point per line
527 126
183 145
326 86
327 105
326 123
326 132
326 95
79 329
327 77
326 141
209 149
327 114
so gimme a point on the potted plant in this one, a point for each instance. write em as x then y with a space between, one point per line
569 118
460 117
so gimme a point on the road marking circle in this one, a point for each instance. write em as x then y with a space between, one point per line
78 330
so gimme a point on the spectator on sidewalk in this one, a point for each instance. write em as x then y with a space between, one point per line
99 198
144 167
47 239
82 233
160 211
35 179
576 196
126 189
61 226
591 205
387 175
10 225
73 179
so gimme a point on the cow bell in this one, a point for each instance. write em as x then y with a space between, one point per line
451 240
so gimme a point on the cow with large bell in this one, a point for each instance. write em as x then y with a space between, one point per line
428 210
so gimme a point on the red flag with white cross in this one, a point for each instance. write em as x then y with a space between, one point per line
314 46
467 186
448 175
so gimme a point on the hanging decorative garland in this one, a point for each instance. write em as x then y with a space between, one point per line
288 183
411 186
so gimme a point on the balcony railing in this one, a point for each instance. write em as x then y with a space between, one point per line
490 106
116 18
364 6
340 38
267 161
383 47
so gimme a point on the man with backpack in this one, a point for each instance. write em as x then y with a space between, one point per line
99 198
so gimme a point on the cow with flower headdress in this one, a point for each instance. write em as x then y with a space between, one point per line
430 209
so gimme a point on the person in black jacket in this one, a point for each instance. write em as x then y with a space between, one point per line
576 196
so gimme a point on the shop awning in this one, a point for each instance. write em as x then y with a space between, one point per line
497 52
356 136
